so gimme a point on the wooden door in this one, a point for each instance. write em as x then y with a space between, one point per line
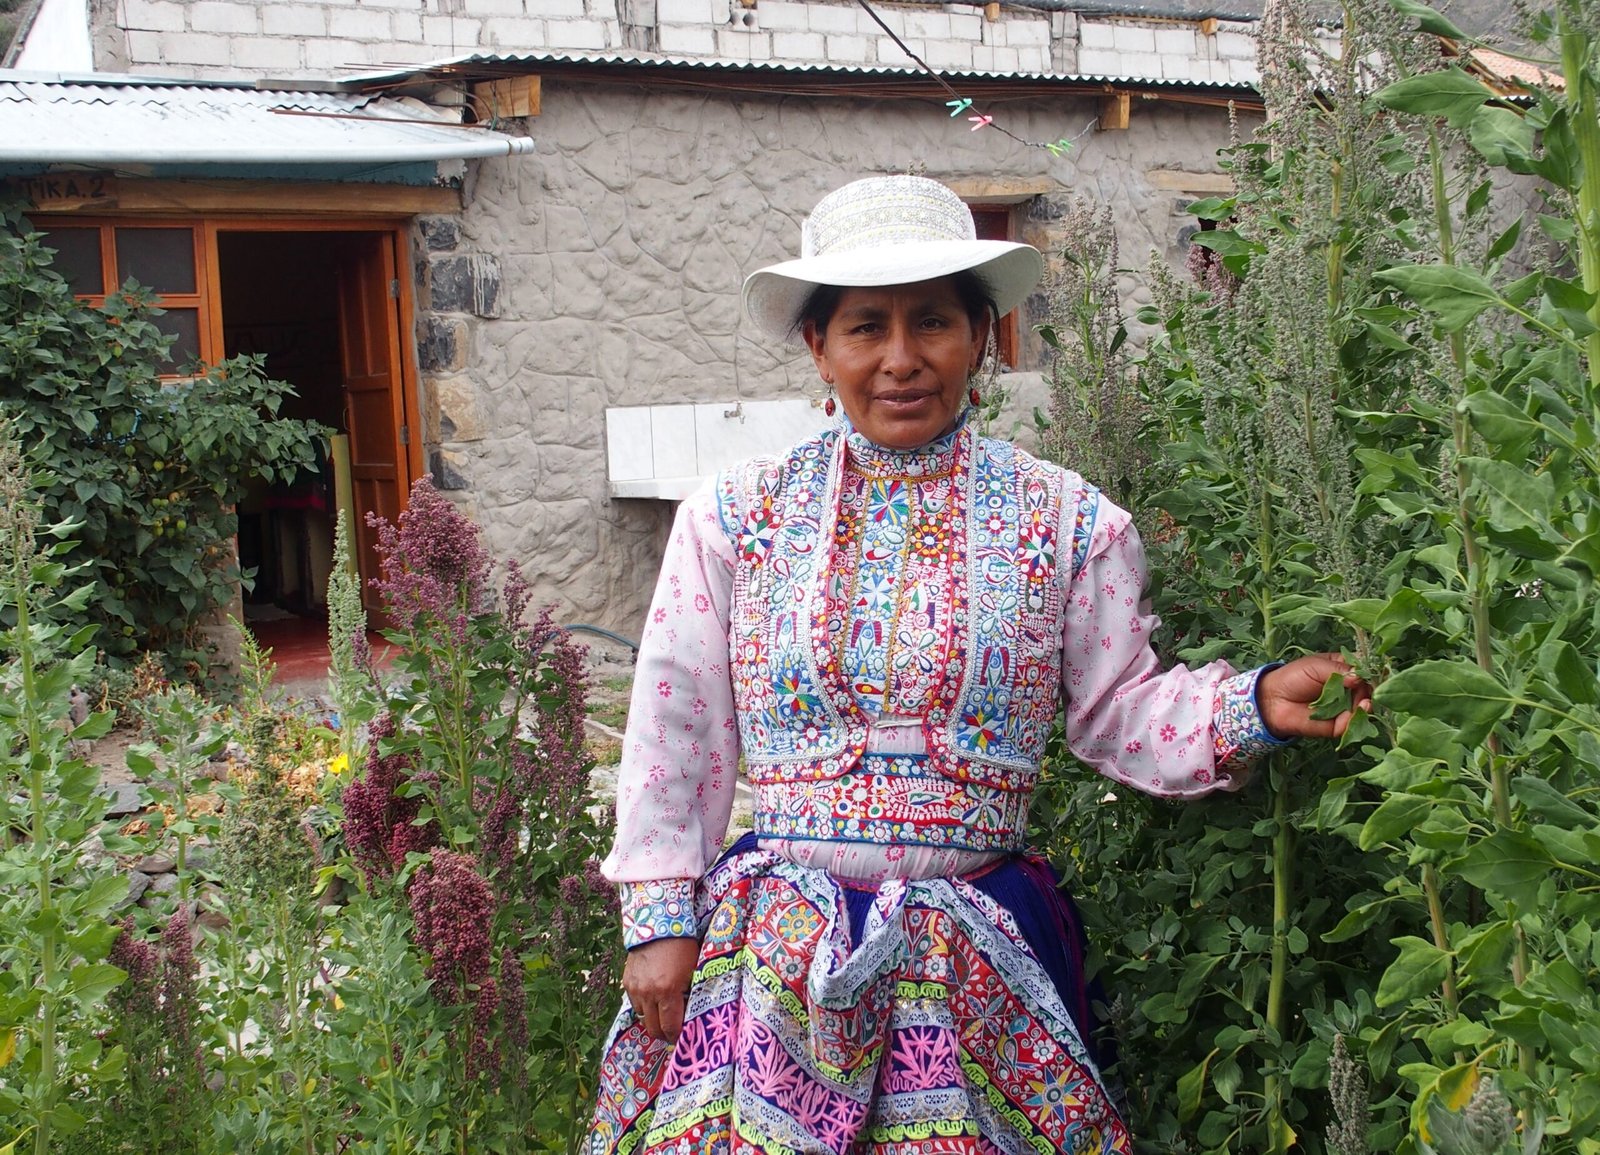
376 412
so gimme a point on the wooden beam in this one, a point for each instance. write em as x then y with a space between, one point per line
1208 26
187 197
1114 112
999 190
1176 180
500 99
991 11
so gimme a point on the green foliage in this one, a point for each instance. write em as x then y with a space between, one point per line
1379 419
149 471
297 1022
54 894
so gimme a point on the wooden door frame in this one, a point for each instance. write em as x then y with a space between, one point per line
407 405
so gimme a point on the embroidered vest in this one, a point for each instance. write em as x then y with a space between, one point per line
987 712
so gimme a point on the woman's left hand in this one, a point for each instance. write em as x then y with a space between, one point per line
1285 696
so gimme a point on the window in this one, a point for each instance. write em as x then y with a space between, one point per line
994 224
98 257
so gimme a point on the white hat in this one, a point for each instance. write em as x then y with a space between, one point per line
887 230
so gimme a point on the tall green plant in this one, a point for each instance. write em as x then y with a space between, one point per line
54 897
1418 488
472 826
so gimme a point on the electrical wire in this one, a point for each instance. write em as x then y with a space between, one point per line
959 104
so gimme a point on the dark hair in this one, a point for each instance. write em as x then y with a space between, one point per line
823 302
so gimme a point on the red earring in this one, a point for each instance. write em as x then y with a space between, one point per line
975 397
830 406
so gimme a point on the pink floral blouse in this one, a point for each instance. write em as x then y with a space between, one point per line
1177 733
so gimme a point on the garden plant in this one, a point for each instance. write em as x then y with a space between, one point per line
147 467
1369 425
406 949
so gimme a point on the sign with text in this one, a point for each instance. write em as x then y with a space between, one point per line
70 190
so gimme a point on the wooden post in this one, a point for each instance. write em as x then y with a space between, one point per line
500 99
1114 112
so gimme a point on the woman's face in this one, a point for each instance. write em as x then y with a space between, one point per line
899 358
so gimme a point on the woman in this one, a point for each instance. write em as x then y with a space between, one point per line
884 622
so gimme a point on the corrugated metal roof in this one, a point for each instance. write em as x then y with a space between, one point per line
126 121
489 61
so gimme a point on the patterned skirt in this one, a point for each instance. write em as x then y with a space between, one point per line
918 1018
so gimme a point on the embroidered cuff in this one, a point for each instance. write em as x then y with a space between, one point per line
1239 736
652 910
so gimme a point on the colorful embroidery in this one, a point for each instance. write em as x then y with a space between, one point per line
652 910
893 798
1239 735
938 1026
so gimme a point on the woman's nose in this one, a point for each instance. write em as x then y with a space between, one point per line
901 355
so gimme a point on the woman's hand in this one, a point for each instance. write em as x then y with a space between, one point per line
656 978
1285 696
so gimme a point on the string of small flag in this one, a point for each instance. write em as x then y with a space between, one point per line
961 105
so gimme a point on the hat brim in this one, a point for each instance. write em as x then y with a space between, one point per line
774 296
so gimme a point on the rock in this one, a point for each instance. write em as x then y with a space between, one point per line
156 864
137 885
77 707
160 884
201 858
94 851
123 800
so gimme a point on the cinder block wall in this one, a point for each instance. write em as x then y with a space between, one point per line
320 38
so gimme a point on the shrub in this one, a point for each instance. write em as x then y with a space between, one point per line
1375 413
148 471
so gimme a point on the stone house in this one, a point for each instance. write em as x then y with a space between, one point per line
548 321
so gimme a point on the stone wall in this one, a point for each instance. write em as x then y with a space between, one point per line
314 38
605 269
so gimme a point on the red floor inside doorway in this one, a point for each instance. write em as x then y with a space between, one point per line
300 647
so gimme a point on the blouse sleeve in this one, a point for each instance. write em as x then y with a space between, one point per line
680 754
1178 733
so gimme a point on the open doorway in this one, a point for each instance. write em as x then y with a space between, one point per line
323 307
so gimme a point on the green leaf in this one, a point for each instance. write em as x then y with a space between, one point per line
1450 93
1191 1086
91 982
95 726
1427 19
1502 136
1334 700
1213 208
1457 692
1361 919
1548 803
1420 969
1500 420
1509 864
1517 499
1226 243
1571 303
1398 814
1456 295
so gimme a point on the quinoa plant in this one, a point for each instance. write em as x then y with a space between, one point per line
471 823
54 895
1375 422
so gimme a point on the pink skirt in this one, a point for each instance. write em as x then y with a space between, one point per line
930 1026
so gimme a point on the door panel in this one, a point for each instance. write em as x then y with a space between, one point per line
375 403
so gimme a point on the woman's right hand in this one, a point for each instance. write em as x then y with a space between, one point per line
656 978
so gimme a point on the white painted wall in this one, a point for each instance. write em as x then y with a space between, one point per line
58 40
